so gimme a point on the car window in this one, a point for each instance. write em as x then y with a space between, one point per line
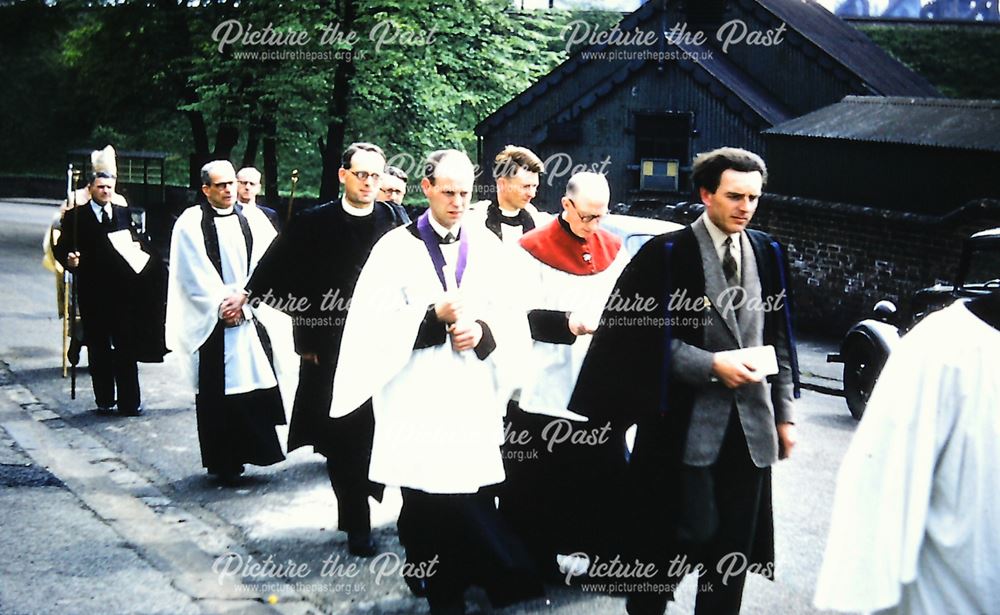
984 265
636 241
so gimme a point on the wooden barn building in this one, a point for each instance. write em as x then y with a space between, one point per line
646 109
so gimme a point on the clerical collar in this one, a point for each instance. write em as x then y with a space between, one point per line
358 212
563 223
441 231
245 205
509 214
717 234
228 211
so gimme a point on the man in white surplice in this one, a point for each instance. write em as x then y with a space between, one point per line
916 519
434 337
231 348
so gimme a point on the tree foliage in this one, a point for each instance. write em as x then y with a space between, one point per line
150 75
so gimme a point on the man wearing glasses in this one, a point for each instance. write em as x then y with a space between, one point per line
393 190
310 273
550 497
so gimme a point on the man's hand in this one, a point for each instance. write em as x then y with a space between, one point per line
465 335
733 374
231 310
786 440
73 260
449 309
310 357
577 326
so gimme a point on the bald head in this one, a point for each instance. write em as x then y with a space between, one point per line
586 203
218 183
447 184
247 185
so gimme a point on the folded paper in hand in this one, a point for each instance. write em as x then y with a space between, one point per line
762 358
129 249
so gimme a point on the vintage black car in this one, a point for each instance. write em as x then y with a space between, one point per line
868 343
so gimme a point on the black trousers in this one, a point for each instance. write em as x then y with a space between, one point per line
472 546
723 504
345 442
112 365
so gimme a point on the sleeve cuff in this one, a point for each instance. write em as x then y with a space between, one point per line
432 331
550 326
487 344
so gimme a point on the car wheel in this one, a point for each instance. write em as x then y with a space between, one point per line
862 366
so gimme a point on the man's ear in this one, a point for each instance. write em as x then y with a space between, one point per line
425 185
706 196
342 175
205 189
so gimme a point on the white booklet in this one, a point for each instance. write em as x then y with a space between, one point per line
762 358
130 250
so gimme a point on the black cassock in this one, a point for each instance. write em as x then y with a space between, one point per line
122 312
318 259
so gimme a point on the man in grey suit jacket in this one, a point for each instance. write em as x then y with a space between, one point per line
710 423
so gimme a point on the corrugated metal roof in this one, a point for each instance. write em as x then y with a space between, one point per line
936 122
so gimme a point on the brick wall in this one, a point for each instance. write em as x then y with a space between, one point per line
845 258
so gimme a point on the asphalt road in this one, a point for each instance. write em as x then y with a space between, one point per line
180 521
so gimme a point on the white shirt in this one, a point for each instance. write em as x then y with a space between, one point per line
510 234
99 210
719 241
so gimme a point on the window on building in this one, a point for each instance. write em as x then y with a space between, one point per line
662 150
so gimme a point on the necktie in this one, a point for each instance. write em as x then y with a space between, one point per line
449 238
729 264
105 217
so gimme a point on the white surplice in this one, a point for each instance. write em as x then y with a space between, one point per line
916 520
554 368
196 290
438 412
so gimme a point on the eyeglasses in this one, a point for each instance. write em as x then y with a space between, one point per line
392 191
364 175
586 219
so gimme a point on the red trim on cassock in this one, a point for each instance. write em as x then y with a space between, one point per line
559 249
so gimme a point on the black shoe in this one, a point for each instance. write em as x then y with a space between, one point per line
136 412
228 478
105 410
360 544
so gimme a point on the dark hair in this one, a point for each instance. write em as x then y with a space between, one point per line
101 175
396 172
435 158
354 148
709 166
512 158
